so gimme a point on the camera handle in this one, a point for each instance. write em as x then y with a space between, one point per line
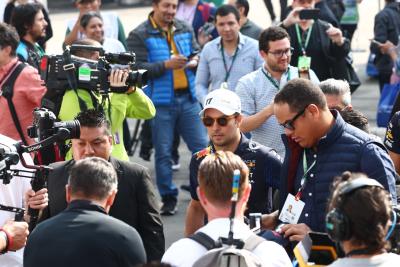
19 212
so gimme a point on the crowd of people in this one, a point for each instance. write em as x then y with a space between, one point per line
265 111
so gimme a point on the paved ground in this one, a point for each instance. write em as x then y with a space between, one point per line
364 99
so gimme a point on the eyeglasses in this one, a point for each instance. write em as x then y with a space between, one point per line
279 53
222 121
289 124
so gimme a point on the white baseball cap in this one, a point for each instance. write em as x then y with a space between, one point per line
224 100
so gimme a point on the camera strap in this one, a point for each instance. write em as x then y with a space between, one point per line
8 92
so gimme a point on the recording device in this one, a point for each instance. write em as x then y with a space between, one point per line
309 13
208 27
255 222
46 125
62 72
48 131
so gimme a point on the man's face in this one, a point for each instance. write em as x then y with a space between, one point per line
302 132
94 30
334 101
87 6
165 10
93 142
274 58
228 27
222 135
38 28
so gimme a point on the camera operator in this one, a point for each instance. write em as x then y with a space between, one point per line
27 90
17 193
359 219
135 202
133 103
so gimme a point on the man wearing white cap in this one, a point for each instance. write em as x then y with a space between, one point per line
222 118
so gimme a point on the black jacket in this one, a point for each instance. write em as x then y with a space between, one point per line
386 28
84 235
135 202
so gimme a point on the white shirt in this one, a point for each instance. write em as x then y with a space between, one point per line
12 194
184 252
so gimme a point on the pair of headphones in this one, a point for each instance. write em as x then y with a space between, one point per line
337 223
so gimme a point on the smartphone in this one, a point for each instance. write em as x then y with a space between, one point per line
309 13
375 42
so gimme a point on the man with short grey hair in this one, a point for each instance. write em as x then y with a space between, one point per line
89 235
337 93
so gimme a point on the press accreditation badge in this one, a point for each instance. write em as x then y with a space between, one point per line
291 210
304 63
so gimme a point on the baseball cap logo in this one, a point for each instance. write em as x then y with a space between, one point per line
208 100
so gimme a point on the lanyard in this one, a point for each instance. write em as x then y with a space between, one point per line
303 47
228 71
304 178
272 80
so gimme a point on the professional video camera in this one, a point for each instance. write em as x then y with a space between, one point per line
48 131
45 125
61 72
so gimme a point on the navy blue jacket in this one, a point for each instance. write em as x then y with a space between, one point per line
264 168
344 148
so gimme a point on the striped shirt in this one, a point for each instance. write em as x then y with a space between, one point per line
256 92
211 71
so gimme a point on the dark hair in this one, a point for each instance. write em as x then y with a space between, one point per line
93 178
84 52
85 19
8 37
225 10
245 4
272 33
23 17
368 210
93 118
355 118
299 93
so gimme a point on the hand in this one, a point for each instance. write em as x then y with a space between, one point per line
203 38
37 200
176 62
269 221
335 35
18 232
293 17
387 48
118 78
295 232
192 63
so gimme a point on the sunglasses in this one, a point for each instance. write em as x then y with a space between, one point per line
289 124
222 121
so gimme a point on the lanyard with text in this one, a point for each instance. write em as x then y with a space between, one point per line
228 71
304 178
300 40
273 81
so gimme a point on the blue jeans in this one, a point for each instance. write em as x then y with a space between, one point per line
184 115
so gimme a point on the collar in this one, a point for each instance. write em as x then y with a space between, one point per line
330 138
28 44
156 27
243 144
85 205
242 41
286 73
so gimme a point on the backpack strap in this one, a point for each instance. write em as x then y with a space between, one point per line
8 92
204 240
252 242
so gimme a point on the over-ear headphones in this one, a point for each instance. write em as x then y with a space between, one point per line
337 223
